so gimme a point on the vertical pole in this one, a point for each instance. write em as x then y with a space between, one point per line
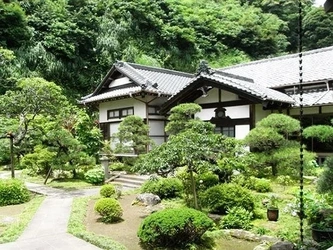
11 139
300 58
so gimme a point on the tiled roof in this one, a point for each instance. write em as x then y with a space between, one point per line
111 94
284 70
169 81
148 79
244 85
322 97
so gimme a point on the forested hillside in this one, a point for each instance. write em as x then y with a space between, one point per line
74 42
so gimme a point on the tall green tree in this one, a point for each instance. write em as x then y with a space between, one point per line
133 135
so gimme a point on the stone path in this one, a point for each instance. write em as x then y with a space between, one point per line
48 228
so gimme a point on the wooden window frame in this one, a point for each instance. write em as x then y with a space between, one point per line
121 113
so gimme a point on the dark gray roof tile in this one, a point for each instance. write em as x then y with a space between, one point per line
284 70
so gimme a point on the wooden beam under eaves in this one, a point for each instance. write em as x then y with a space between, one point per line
328 6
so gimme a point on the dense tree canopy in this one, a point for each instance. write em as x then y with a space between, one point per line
73 43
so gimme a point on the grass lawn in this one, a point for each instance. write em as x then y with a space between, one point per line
63 183
19 216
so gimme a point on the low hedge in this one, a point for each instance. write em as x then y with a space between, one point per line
13 191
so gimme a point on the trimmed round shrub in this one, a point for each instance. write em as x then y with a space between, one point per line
238 218
262 185
109 209
220 198
108 191
94 176
165 188
13 192
176 227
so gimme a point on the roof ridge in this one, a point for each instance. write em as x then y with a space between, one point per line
243 78
282 57
143 80
162 70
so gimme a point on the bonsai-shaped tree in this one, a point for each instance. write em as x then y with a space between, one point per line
133 135
271 141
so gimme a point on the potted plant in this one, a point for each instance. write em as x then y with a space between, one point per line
272 208
320 218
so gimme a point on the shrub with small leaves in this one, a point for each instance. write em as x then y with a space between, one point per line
206 180
108 191
165 188
94 176
262 185
109 208
225 196
174 228
238 218
284 180
13 192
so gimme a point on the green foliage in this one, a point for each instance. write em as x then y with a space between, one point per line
95 176
324 184
206 180
133 135
220 198
175 228
108 191
262 185
284 180
237 217
13 192
324 133
39 161
283 124
264 139
287 161
14 31
117 166
180 117
165 188
109 208
319 37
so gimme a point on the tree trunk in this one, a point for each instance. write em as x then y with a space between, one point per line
48 175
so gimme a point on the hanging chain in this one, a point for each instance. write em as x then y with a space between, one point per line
300 57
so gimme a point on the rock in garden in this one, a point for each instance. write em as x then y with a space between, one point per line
148 199
8 220
262 246
282 245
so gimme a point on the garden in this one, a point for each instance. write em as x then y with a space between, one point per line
211 190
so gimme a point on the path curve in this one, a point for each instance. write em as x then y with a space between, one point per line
48 228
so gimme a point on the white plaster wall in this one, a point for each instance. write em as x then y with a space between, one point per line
213 96
238 111
327 109
259 113
233 112
241 131
206 114
306 111
228 96
139 108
